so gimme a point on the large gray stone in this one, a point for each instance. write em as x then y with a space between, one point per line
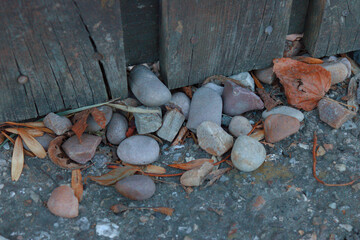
138 150
147 88
284 110
58 124
81 152
116 129
339 69
239 125
217 88
136 187
172 123
148 122
247 154
206 105
92 125
44 140
181 101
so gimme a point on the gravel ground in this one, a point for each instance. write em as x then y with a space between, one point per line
280 200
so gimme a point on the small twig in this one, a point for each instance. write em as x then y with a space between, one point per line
254 127
226 158
132 109
256 80
163 175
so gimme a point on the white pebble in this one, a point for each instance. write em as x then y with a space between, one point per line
107 229
332 205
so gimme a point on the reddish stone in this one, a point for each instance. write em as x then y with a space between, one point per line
278 126
63 202
333 113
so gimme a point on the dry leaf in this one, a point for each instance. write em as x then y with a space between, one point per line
58 157
187 90
99 117
215 175
28 124
308 60
119 208
268 100
17 161
32 131
180 136
148 168
114 175
76 184
304 84
192 164
164 210
32 143
258 134
2 138
80 121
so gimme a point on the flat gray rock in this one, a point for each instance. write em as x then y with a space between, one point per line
239 125
92 125
181 101
147 88
136 187
245 79
284 110
138 150
217 88
116 129
58 124
148 122
172 123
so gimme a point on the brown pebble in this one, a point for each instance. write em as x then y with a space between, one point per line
278 126
328 146
333 113
63 202
136 187
22 79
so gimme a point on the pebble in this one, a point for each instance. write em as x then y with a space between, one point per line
213 139
44 140
196 176
257 203
320 151
247 154
265 75
138 150
136 187
81 152
206 105
284 110
92 125
6 146
347 227
83 223
278 127
148 122
238 100
217 88
348 125
107 229
172 123
3 163
245 79
333 113
100 160
147 88
339 70
340 167
180 101
63 202
1 186
116 129
332 205
239 125
356 187
58 124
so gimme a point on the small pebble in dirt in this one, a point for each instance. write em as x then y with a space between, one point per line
83 223
284 110
148 122
247 154
328 146
196 176
239 125
4 163
348 125
92 125
181 101
206 105
58 124
245 80
147 88
1 186
117 128
44 140
136 187
278 127
6 146
356 187
100 160
340 167
332 205
213 139
107 229
320 151
347 227
333 113
63 202
265 75
138 150
217 88
238 100
81 152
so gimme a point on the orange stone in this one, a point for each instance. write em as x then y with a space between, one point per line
278 126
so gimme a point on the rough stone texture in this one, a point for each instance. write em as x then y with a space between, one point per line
195 177
136 187
181 101
339 70
245 79
217 88
58 124
138 150
147 88
92 125
63 202
278 127
116 129
247 154
238 100
44 140
213 139
172 123
206 105
265 75
148 122
284 110
81 152
333 113
239 125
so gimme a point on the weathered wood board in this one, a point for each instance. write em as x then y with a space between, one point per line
65 53
298 16
332 27
206 37
140 20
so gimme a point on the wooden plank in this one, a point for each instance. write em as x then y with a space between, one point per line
298 16
332 27
140 20
206 37
48 42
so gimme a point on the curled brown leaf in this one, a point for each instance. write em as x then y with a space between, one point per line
58 157
114 175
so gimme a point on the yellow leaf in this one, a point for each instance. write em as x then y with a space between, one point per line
192 164
32 144
76 184
32 131
17 161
